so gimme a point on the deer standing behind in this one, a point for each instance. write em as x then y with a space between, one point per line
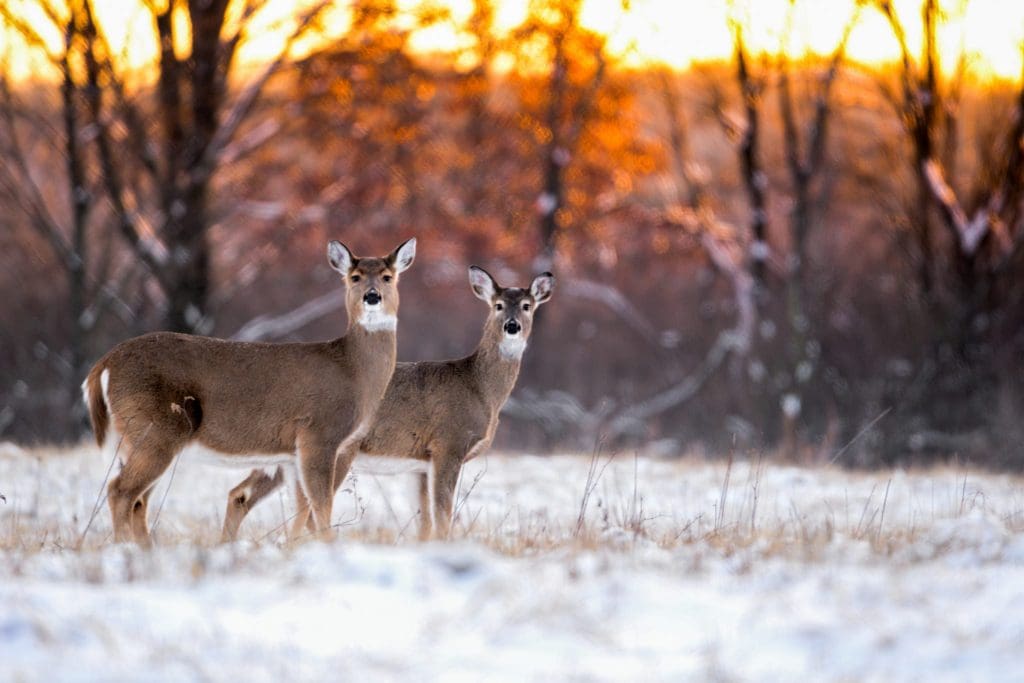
439 413
293 405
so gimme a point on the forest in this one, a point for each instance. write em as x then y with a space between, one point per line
781 250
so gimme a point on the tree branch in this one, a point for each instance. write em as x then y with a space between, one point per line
247 100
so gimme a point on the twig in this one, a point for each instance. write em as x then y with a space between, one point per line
864 512
963 494
283 524
859 434
593 476
881 519
387 504
100 496
720 514
403 528
635 518
163 499
476 479
756 487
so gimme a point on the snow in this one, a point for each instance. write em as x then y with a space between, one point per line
783 573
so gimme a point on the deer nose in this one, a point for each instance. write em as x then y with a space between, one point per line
512 327
371 298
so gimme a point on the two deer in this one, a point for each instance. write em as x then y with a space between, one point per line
307 408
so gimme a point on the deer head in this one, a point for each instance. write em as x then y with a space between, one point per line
371 295
512 308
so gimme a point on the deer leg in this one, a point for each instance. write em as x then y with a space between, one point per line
316 474
128 492
139 518
303 518
425 511
244 497
343 461
446 477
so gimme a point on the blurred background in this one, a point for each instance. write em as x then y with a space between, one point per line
783 227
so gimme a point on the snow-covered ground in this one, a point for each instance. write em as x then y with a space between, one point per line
679 570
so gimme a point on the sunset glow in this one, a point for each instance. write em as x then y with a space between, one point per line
673 32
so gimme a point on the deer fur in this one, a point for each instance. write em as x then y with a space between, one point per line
438 413
294 405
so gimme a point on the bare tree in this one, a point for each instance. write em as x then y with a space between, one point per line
969 274
724 246
748 134
158 155
985 223
66 209
804 145
570 101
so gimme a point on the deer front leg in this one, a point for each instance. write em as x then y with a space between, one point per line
342 464
316 475
244 497
446 477
303 519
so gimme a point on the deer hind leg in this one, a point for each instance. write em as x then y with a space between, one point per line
129 491
244 497
140 518
425 507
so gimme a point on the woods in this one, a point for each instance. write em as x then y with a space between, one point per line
774 251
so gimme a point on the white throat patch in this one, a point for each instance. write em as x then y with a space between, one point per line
374 319
512 346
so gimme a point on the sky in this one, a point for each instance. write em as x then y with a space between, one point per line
674 32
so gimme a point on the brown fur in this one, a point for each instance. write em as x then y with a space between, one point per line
443 412
168 390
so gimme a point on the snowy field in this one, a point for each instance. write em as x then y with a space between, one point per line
676 571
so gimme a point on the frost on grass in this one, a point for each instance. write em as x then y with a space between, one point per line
562 568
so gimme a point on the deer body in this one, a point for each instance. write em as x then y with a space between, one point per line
439 414
292 405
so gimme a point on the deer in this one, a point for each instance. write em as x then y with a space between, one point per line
436 414
293 406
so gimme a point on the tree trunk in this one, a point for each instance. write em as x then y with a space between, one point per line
188 295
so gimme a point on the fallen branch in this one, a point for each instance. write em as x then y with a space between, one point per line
277 326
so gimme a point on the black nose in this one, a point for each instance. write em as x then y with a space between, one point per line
512 327
371 298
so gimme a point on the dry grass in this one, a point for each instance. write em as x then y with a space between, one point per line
688 509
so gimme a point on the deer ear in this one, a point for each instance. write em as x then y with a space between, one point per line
482 283
402 257
339 257
542 287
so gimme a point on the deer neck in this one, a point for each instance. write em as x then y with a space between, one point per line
372 352
496 366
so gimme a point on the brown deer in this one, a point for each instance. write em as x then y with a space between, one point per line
440 414
294 405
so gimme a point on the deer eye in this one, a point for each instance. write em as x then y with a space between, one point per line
356 278
499 307
387 278
526 306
